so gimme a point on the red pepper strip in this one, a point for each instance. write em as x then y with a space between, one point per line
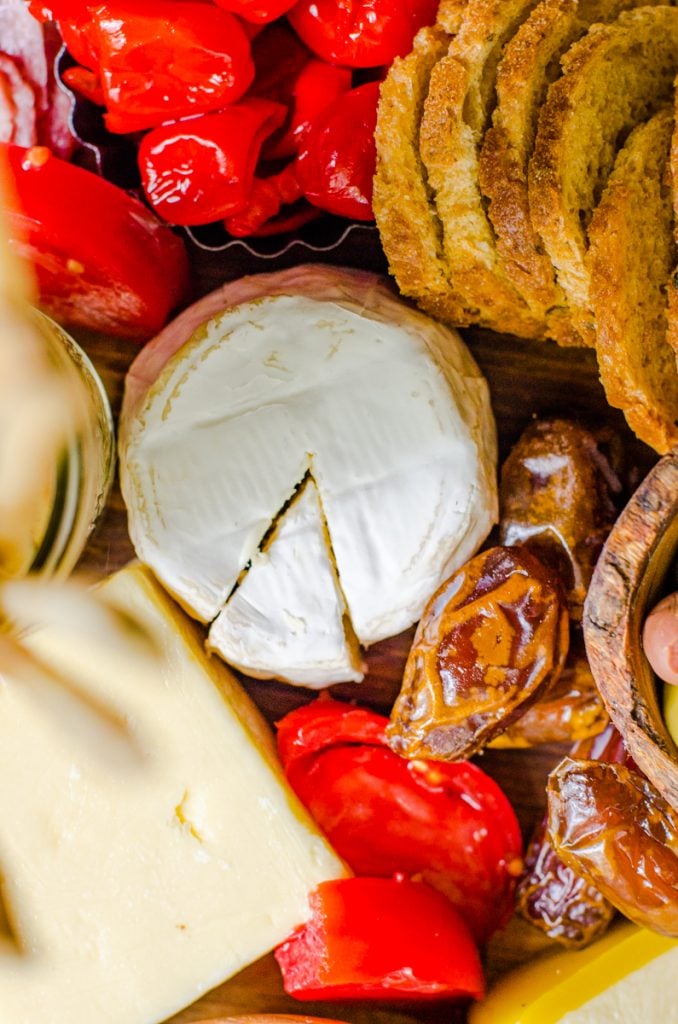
361 33
318 86
202 170
259 11
278 56
85 82
76 25
157 65
266 197
449 823
337 155
300 215
380 938
102 259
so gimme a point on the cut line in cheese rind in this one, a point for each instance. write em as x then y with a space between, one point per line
324 371
135 891
289 611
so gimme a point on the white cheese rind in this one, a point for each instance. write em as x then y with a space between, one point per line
289 611
384 406
136 887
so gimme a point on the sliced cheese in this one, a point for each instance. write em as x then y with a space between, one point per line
627 976
135 884
384 407
289 609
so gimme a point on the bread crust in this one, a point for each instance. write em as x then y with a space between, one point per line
410 231
531 61
455 116
631 254
613 78
672 283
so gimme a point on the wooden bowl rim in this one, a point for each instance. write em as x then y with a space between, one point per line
627 581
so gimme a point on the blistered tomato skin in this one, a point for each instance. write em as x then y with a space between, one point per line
556 497
337 155
660 639
361 33
490 642
611 826
447 823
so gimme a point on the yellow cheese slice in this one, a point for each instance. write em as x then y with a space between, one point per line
628 976
132 884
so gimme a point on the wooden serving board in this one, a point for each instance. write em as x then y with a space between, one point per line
526 379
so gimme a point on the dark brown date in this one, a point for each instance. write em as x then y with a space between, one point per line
558 901
610 825
556 497
491 639
571 710
550 895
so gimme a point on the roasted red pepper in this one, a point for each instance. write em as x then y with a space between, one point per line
449 823
317 86
258 11
155 67
202 169
379 938
337 157
361 33
101 258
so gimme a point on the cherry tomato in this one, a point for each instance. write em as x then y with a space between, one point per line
337 155
258 11
449 823
361 33
202 169
380 938
154 66
102 259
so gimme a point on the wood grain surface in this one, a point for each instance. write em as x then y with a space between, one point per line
526 379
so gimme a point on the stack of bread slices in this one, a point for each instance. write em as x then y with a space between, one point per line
524 183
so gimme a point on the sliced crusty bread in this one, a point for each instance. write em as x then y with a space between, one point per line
613 79
455 116
631 255
410 231
672 284
531 61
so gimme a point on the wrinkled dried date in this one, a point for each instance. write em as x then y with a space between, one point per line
611 826
571 710
556 497
491 639
550 895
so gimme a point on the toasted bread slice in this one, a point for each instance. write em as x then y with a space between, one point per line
456 112
672 284
613 79
631 255
410 231
531 61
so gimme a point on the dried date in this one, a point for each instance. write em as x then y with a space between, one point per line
490 641
556 496
610 825
571 710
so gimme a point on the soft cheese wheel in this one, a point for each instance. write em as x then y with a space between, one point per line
289 609
150 847
319 372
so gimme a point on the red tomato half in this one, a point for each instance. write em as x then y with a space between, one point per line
101 258
381 938
337 154
449 823
361 33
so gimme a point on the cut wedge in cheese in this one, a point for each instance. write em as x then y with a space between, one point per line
313 372
290 606
628 976
149 845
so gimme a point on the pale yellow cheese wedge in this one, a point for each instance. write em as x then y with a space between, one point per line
628 977
149 845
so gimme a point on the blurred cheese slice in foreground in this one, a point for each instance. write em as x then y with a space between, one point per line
312 371
628 977
290 606
134 884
